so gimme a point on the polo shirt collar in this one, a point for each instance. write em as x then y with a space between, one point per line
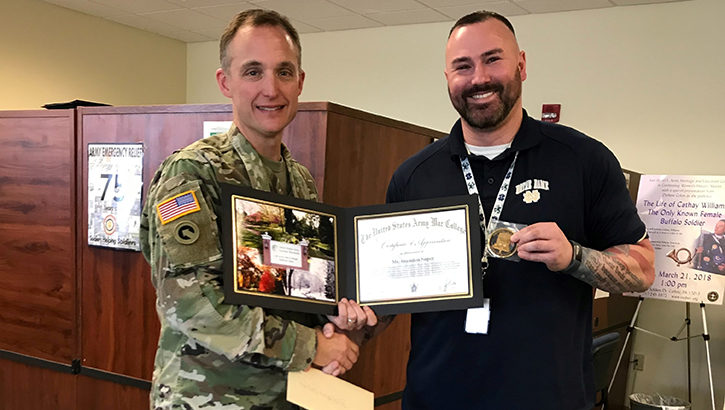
526 137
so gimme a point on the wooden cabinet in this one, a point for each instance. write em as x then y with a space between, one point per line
25 386
63 300
37 230
30 387
119 324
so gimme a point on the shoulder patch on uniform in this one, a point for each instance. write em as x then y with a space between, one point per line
177 206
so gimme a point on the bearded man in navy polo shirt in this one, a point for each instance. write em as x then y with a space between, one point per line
582 231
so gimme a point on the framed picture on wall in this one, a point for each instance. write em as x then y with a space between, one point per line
115 183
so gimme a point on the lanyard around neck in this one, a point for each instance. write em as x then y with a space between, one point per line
497 206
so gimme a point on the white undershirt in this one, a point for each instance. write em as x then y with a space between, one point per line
488 152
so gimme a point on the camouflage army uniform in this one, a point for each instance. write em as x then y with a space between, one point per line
213 355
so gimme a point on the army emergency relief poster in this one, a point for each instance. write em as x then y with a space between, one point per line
115 181
685 218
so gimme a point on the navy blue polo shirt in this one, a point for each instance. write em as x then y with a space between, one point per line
537 353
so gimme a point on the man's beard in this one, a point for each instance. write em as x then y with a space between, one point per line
491 115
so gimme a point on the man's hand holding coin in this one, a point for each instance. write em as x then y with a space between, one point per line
544 242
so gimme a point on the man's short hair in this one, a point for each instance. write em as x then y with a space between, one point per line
257 18
480 17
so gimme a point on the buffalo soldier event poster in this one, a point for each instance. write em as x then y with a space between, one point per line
115 181
685 218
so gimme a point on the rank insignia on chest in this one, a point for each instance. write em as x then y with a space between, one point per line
177 206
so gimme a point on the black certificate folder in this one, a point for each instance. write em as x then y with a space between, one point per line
292 254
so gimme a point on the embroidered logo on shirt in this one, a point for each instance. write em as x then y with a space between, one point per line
532 196
530 189
177 206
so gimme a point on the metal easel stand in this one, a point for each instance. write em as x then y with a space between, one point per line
705 335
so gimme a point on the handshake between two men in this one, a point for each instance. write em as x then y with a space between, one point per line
339 341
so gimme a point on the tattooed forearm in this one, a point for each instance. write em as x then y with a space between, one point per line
623 268
606 272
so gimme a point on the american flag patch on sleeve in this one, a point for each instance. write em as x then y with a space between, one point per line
177 206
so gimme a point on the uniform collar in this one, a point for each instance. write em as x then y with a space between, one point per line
526 137
240 143
259 176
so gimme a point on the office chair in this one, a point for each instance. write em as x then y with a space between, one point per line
604 348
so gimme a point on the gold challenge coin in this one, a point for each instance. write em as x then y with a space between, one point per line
499 242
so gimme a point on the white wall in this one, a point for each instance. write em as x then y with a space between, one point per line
52 54
648 81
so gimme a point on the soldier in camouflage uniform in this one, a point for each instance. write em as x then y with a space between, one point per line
212 354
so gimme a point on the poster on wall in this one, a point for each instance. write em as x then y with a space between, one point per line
211 128
685 218
115 181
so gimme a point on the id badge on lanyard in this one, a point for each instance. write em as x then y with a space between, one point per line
477 318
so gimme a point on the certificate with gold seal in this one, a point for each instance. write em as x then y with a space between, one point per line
288 253
413 254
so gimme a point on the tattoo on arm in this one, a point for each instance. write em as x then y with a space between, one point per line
611 270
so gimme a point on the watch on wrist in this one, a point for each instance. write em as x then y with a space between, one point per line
576 258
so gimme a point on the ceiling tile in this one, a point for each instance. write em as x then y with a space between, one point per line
190 4
215 33
187 19
409 17
186 36
304 10
379 6
633 2
444 3
552 6
205 20
89 7
344 23
142 23
225 12
502 7
303 28
140 6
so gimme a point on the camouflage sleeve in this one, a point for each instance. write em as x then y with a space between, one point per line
188 276
303 184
